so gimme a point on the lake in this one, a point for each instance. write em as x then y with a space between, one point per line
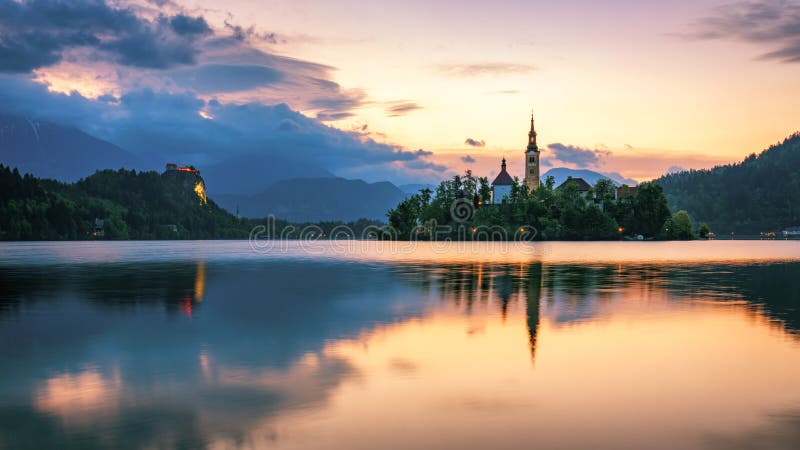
351 345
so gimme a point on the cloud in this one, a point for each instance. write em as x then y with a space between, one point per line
218 78
401 109
468 159
185 25
483 69
141 78
39 34
771 23
74 41
475 143
579 156
168 126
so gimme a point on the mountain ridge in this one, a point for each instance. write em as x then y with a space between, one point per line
317 199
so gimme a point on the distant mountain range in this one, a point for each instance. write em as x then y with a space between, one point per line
249 174
317 199
259 184
560 174
49 150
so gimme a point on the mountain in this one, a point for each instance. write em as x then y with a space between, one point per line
415 188
251 174
761 193
560 174
318 199
48 150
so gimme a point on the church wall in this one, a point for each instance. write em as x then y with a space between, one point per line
500 192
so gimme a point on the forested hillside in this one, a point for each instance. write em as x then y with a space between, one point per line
134 205
761 193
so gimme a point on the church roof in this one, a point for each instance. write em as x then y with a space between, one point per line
503 178
580 184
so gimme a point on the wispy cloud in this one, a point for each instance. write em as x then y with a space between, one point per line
484 69
503 92
775 24
468 159
402 108
475 142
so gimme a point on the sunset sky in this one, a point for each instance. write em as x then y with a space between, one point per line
635 87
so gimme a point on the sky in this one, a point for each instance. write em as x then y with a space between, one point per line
413 91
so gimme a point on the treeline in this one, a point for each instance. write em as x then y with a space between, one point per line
131 205
761 193
462 206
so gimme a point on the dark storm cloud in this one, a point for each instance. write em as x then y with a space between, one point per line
475 143
771 23
481 69
37 33
168 125
467 159
158 112
579 156
402 109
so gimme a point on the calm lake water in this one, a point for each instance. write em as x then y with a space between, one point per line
690 345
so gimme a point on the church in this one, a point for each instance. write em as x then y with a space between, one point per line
501 186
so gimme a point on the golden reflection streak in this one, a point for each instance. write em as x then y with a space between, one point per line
200 281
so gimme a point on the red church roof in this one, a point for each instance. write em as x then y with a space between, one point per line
503 178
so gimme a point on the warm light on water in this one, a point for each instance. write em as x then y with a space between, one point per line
584 345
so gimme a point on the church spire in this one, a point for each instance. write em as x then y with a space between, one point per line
532 159
532 136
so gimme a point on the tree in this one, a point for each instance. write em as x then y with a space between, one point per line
604 193
679 226
703 231
650 210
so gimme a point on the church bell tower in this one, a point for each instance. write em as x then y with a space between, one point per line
532 160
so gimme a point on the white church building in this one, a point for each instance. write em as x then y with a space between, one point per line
501 186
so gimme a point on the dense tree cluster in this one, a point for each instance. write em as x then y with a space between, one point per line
554 214
761 193
132 205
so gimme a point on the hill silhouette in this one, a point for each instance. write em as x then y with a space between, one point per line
761 193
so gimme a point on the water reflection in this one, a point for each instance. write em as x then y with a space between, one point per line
302 354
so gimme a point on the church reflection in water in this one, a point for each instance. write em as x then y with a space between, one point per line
502 284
